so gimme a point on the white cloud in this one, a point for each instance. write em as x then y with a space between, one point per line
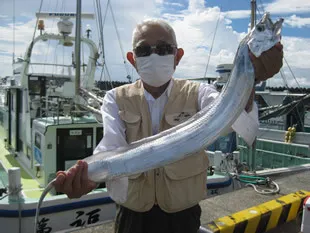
297 55
288 6
195 31
295 21
196 5
297 51
159 1
277 7
237 14
23 32
175 4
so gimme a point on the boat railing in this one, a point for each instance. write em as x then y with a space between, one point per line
273 154
279 135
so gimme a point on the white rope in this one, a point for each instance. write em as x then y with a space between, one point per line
272 188
13 191
217 23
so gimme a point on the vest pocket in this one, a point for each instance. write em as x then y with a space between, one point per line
132 123
129 117
184 183
136 198
191 166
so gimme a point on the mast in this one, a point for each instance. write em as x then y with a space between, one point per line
253 13
252 149
78 46
13 58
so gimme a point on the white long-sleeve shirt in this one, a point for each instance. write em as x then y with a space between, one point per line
114 129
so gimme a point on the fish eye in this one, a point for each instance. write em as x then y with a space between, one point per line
260 27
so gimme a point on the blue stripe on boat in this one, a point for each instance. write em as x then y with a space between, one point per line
83 204
218 185
223 71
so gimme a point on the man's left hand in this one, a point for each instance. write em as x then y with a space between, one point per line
268 63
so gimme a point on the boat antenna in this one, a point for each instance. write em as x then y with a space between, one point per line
13 35
78 47
253 13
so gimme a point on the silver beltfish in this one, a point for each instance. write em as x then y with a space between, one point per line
200 130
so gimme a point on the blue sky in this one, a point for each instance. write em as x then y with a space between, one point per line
239 24
193 20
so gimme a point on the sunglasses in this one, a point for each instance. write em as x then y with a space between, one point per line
160 49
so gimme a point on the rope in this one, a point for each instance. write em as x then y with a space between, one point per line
257 181
98 6
262 5
97 26
289 67
272 188
251 179
44 193
229 165
35 28
119 39
4 196
100 22
259 13
14 191
105 13
217 23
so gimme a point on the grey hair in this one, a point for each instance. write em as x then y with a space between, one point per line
152 22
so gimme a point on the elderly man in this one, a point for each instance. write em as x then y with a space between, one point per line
167 199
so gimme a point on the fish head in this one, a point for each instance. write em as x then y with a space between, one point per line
264 35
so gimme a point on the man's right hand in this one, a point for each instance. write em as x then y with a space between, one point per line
74 182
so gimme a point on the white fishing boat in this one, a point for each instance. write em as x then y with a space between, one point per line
47 126
49 120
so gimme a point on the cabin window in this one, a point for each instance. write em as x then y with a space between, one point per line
21 100
74 147
12 102
34 87
99 135
6 98
37 141
28 152
20 144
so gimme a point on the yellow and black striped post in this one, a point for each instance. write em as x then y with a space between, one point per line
263 217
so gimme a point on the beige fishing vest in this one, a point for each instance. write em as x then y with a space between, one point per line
177 186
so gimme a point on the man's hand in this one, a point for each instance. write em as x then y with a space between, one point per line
268 64
74 182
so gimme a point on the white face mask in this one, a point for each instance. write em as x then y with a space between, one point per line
155 70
